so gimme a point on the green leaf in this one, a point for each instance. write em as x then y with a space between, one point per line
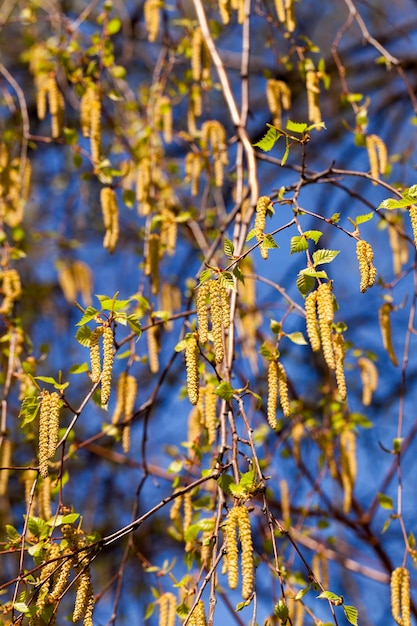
393 203
12 533
113 26
60 520
228 247
298 243
242 605
83 336
305 283
286 152
21 607
237 491
385 501
251 234
281 611
297 338
329 595
296 127
361 219
181 345
224 483
79 369
134 324
111 304
182 610
313 234
89 314
29 410
149 610
237 272
269 140
268 242
265 351
301 593
37 526
129 197
225 391
324 256
226 280
351 614
411 192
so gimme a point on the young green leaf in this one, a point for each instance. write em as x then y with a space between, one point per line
351 614
385 501
361 219
296 127
228 247
225 391
269 140
298 243
324 256
298 338
89 314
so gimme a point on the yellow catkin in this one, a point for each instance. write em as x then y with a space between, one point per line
60 580
224 11
413 218
326 314
108 357
216 319
110 211
95 354
191 363
126 438
384 316
210 413
280 9
365 256
45 510
289 14
348 466
192 171
311 321
153 348
84 598
297 434
285 502
197 42
400 596
169 231
120 398
11 288
262 206
339 354
369 378
131 390
213 136
313 96
283 390
152 261
85 110
95 130
44 415
53 552
398 245
225 304
202 316
377 154
187 518
152 14
198 616
296 611
54 408
5 462
232 548
319 565
278 97
195 426
272 393
245 536
163 117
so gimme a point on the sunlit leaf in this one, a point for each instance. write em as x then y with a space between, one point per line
269 140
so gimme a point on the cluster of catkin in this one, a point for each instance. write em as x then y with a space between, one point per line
214 292
319 320
200 58
277 387
90 119
126 393
167 604
400 596
226 6
110 212
348 467
285 13
238 524
163 116
384 316
14 186
213 138
263 206
84 598
50 404
11 289
365 256
74 278
278 97
378 156
48 94
101 372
